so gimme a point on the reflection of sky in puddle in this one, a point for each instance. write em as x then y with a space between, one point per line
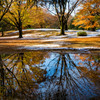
79 83
54 75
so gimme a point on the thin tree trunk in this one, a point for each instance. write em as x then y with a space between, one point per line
2 33
20 22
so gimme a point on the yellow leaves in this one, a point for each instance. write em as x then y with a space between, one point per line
22 67
36 16
13 15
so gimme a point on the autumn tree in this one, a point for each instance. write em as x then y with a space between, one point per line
18 15
64 9
51 21
36 17
5 27
2 28
4 7
21 73
89 15
41 18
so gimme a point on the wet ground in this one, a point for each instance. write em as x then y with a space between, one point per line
50 75
49 39
45 67
43 33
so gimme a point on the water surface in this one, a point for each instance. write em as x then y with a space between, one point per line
50 75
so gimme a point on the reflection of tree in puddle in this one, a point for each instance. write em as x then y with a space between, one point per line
90 68
49 76
19 74
70 78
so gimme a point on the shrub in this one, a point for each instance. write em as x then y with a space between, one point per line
82 33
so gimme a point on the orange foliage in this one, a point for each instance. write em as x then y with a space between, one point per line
89 15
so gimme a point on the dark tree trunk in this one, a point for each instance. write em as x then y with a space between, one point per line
1 77
62 26
20 22
62 30
2 33
66 27
22 55
20 33
20 28
41 26
93 29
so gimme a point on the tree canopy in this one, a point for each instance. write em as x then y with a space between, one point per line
64 9
89 15
4 7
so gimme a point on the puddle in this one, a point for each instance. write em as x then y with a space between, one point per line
50 75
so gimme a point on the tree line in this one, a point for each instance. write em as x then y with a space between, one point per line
19 14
